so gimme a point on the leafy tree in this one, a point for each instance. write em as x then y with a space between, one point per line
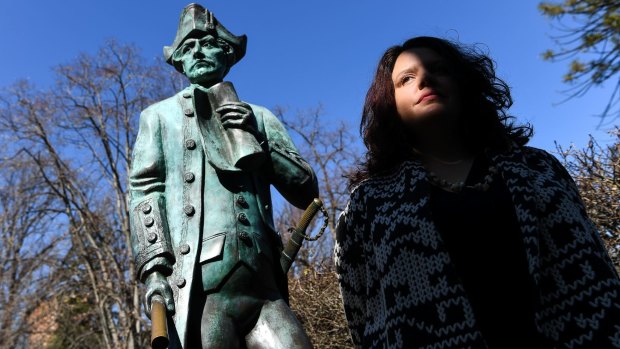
596 170
589 36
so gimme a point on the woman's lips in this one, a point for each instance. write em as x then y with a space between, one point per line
428 96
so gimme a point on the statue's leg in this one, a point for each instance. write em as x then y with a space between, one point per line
217 329
277 328
231 312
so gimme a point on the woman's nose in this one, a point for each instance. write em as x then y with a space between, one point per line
424 79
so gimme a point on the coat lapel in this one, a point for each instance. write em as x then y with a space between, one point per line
518 179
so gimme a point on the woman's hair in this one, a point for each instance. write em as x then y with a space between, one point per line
483 118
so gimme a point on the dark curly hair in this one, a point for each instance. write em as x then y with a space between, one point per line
483 121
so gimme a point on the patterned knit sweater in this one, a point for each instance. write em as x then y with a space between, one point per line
400 289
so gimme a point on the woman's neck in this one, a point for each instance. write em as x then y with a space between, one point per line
440 142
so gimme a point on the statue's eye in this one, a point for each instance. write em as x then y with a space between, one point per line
208 43
186 48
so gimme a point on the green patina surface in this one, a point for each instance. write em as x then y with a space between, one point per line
202 225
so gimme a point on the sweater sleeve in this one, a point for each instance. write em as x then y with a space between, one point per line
571 190
351 269
579 284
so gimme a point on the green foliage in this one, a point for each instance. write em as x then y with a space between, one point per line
551 10
589 29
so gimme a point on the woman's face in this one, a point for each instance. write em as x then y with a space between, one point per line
424 87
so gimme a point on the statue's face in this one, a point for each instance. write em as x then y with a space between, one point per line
203 60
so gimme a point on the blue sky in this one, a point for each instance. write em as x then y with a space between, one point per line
302 53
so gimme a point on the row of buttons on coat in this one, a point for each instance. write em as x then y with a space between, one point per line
183 249
152 237
188 177
149 221
189 210
243 218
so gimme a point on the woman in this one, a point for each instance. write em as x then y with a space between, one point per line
457 235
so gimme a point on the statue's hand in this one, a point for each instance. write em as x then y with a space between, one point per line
237 115
156 284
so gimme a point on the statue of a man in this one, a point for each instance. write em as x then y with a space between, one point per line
202 229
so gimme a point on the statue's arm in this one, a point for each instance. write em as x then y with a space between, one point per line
289 173
150 238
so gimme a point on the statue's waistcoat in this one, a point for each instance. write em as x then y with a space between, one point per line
233 230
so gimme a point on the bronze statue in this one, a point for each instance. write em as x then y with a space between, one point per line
202 228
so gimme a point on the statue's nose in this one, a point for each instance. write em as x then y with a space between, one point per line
198 52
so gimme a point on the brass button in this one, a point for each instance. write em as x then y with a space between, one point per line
152 237
188 177
244 236
180 282
187 95
189 112
189 210
243 218
190 144
242 202
149 221
184 249
146 209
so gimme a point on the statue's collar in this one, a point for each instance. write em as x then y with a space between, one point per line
194 87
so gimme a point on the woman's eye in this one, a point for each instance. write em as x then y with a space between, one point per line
406 79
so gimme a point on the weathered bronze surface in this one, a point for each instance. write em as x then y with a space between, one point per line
202 227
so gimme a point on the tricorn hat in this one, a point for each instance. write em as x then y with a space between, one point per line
196 21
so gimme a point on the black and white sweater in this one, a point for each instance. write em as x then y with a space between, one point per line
400 289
